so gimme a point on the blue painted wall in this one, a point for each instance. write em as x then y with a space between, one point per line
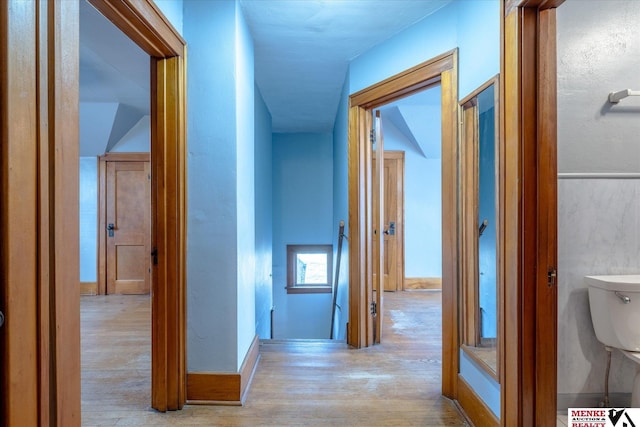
430 37
341 211
264 217
245 190
479 41
220 181
88 219
302 214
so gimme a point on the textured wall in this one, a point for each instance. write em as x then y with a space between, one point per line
264 217
598 233
598 52
598 217
220 181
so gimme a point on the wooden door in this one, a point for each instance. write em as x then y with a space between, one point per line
128 227
393 223
378 172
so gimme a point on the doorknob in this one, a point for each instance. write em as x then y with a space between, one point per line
110 229
391 230
1 319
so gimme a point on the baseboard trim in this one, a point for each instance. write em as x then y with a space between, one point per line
417 283
88 288
473 407
212 388
591 400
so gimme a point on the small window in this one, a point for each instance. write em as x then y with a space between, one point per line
309 268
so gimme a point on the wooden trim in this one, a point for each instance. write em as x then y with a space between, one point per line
450 230
416 283
377 220
474 408
500 214
511 400
39 246
511 5
20 335
477 91
478 355
168 185
206 388
541 4
528 395
248 367
125 157
308 289
360 274
47 407
295 288
102 226
63 206
469 297
210 388
143 22
444 70
89 288
547 217
415 79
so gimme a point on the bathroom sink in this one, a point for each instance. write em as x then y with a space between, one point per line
621 282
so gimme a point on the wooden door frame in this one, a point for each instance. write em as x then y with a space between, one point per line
441 70
102 209
39 236
528 123
145 25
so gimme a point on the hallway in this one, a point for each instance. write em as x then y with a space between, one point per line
310 383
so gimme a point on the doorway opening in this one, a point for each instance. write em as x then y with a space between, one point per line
163 258
440 71
412 191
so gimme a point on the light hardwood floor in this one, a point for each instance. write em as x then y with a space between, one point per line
297 383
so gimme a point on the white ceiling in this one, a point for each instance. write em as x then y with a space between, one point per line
302 50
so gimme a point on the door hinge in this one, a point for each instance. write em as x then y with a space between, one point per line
374 308
154 256
372 136
551 276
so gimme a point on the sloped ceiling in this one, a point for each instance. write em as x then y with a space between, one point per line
411 116
114 83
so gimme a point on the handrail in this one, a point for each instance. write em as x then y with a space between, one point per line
336 276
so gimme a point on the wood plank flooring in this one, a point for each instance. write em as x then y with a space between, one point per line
297 383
